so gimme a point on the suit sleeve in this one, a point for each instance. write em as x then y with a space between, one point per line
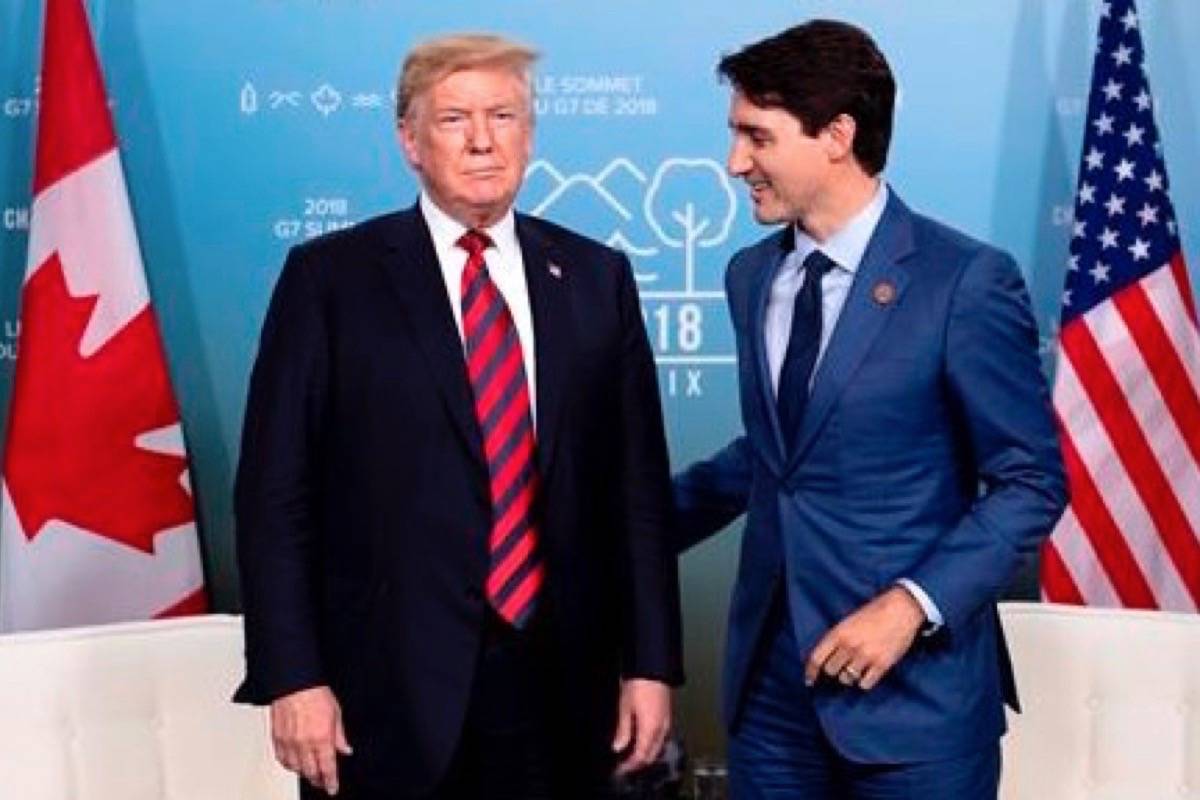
274 499
1002 407
652 646
712 493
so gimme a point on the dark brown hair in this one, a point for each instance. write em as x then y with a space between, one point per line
817 71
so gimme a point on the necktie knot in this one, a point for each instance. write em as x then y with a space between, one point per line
474 242
818 264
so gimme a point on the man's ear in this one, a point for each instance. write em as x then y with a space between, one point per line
408 143
839 137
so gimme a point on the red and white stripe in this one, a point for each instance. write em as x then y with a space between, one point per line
1127 395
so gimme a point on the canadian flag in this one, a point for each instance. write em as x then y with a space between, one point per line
98 523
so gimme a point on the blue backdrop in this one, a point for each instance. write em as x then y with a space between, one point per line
250 125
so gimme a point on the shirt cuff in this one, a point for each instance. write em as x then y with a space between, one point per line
933 615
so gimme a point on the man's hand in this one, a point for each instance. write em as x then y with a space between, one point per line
865 645
306 728
643 721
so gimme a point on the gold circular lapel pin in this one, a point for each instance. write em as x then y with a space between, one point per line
884 293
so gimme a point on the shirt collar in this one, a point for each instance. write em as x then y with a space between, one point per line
446 230
848 244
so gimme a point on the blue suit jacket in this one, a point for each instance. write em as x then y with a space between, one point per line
927 451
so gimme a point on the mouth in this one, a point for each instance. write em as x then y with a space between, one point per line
758 187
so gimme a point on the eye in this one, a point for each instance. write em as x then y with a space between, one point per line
504 115
450 119
752 136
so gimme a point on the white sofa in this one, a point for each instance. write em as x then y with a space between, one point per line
141 711
138 711
1111 704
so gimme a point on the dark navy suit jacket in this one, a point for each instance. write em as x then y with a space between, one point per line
363 507
927 451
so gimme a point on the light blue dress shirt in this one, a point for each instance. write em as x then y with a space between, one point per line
845 247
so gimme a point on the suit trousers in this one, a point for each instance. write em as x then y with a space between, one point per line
778 750
505 750
510 744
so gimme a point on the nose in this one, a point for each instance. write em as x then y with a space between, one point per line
737 162
479 135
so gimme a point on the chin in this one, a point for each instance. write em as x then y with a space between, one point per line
491 198
766 216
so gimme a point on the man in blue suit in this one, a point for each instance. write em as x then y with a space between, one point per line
899 461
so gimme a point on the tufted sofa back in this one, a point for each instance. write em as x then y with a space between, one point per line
1111 704
138 711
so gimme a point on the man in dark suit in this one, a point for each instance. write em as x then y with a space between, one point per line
898 463
453 501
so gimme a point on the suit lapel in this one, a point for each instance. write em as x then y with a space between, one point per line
765 396
413 269
546 277
878 287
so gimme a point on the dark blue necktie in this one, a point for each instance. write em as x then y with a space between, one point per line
804 343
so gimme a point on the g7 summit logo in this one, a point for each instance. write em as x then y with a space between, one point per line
664 219
686 205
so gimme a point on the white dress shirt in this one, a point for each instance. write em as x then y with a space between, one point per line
845 247
506 267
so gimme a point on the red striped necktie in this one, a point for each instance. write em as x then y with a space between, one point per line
497 373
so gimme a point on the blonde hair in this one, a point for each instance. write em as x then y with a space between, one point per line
434 59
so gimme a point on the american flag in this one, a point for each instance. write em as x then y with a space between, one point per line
1127 389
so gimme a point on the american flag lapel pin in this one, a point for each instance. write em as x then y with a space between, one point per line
555 270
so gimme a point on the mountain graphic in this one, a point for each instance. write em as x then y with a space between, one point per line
606 206
620 184
541 180
578 206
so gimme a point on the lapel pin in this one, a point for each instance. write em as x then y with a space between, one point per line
555 270
884 293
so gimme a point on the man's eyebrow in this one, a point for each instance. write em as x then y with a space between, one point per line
746 127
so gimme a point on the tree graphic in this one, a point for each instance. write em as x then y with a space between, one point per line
681 193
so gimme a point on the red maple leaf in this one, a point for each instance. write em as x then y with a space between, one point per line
71 453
